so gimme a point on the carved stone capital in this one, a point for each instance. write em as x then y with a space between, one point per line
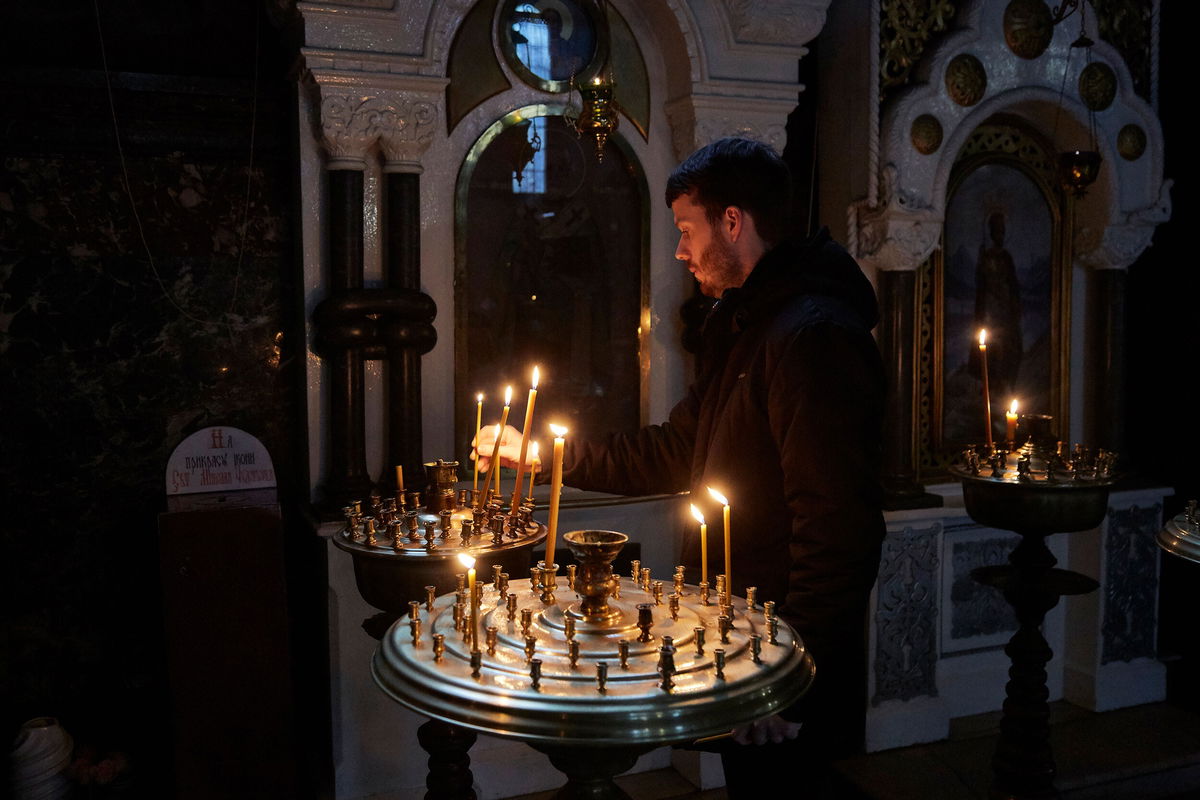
1118 245
346 129
698 120
900 234
791 23
352 124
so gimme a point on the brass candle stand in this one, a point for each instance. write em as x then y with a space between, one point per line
1181 535
400 546
596 671
1035 490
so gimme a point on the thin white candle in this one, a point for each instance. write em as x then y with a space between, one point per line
720 498
555 489
516 495
703 544
478 428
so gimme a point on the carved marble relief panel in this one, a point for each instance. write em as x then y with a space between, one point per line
1131 585
906 611
979 615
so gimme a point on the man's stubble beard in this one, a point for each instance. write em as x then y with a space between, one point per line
719 264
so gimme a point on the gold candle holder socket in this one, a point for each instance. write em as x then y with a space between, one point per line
535 580
571 568
645 579
658 593
430 595
573 652
369 530
773 630
476 663
510 604
490 637
678 579
724 625
569 626
645 621
414 609
756 648
601 675
549 583
623 652
704 594
769 609
439 646
635 571
673 605
497 571
615 587
698 632
666 663
458 616
502 584
414 627
460 579
530 647
535 673
526 620
751 596
719 663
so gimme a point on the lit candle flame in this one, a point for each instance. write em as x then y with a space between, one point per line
1013 408
507 395
533 449
983 337
479 397
558 430
535 378
696 513
466 560
720 498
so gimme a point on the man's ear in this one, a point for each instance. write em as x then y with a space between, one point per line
733 222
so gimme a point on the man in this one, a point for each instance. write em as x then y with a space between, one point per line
784 419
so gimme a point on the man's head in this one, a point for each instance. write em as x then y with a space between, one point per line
731 204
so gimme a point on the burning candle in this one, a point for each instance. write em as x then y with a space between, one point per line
494 466
703 544
555 489
533 466
1010 419
516 495
478 428
720 498
469 562
987 401
399 480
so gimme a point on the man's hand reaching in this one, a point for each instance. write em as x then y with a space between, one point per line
774 729
510 448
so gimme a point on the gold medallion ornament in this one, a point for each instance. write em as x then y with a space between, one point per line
926 133
1131 142
1027 27
966 79
1097 86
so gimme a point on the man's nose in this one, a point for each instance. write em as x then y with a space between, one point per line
681 253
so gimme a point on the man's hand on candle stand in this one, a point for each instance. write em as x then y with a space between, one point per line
510 448
774 729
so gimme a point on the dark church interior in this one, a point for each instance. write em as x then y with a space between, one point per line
159 269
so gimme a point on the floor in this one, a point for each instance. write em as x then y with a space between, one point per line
1149 752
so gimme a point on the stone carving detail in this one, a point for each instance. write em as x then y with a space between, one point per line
926 134
1131 142
782 22
1131 566
966 79
1028 28
692 128
709 129
1097 86
978 610
898 235
905 30
906 611
406 130
352 125
1119 245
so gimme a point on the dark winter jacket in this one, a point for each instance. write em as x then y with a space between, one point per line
785 421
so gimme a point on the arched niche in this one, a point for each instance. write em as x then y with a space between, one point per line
551 270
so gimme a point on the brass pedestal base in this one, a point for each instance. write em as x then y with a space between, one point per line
590 770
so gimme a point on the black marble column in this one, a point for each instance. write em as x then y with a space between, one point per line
898 345
402 262
1106 369
347 477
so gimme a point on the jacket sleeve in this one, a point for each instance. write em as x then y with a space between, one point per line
656 459
825 405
